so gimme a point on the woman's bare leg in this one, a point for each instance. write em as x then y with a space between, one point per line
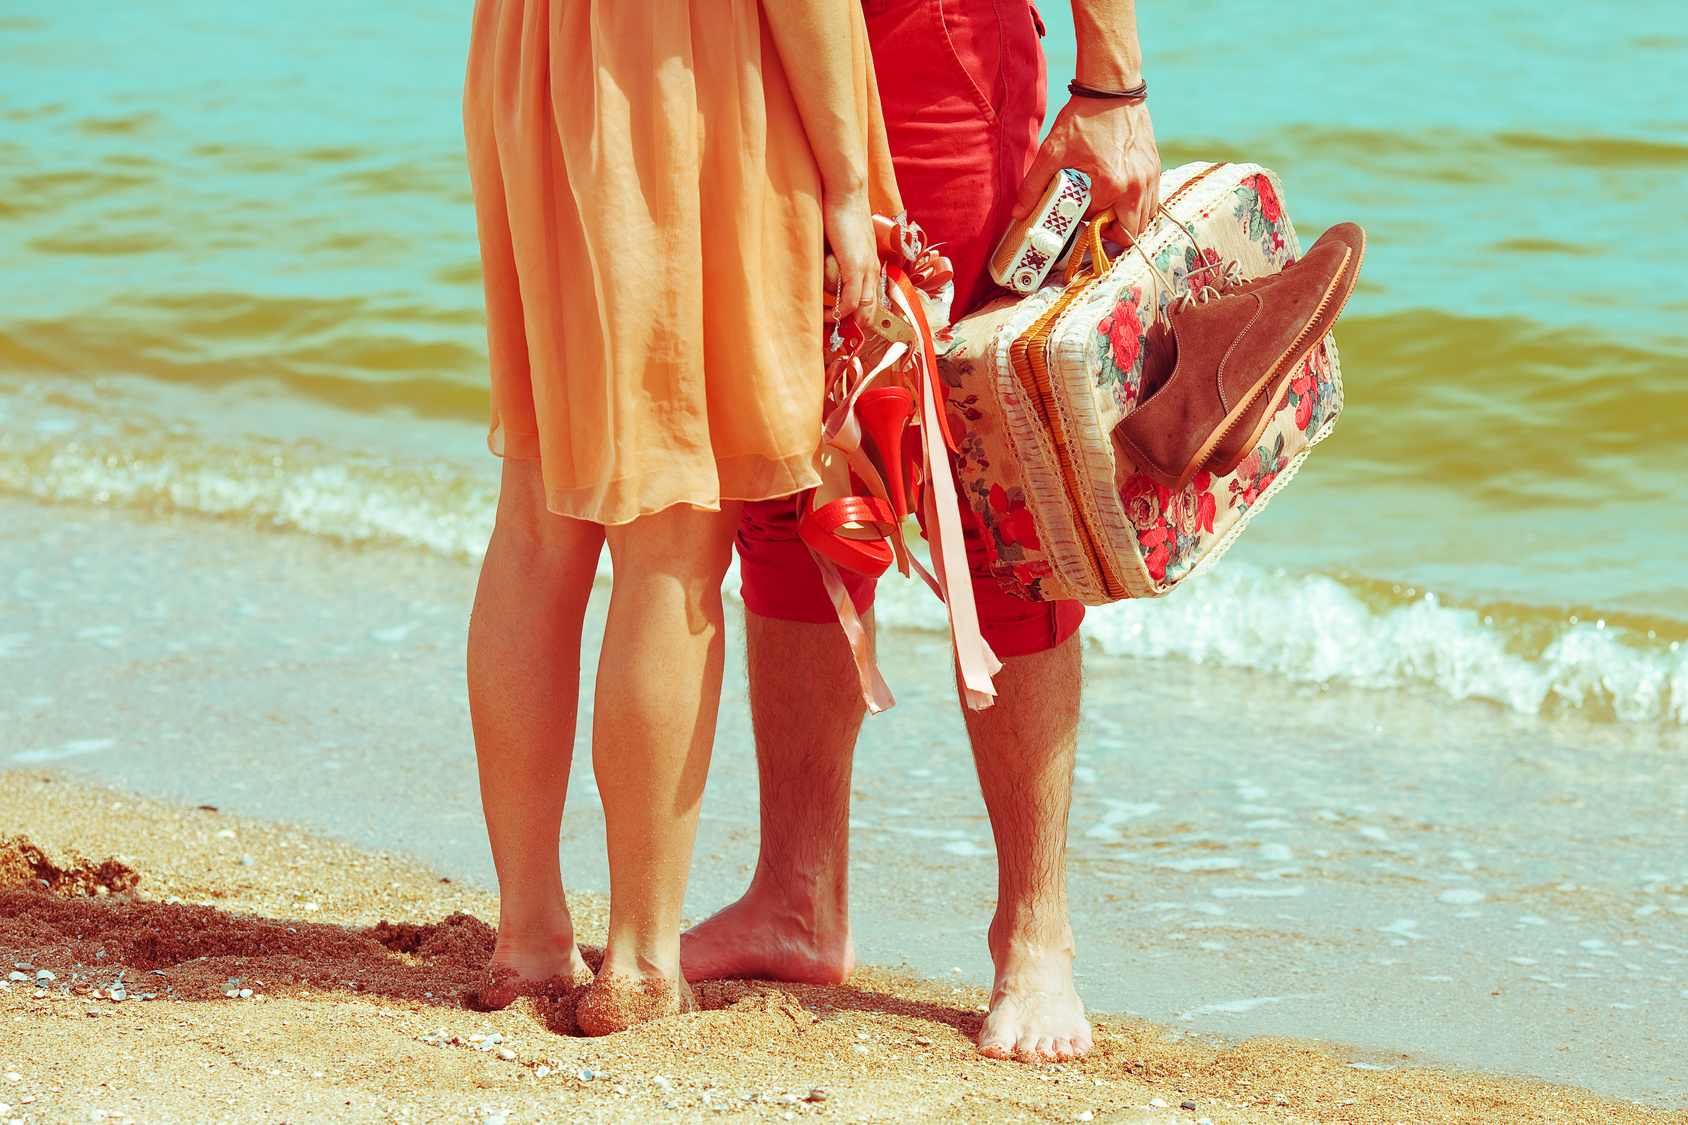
653 726
524 690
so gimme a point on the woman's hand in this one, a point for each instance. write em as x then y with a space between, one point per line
853 266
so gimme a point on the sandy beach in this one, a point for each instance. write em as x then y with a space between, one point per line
206 967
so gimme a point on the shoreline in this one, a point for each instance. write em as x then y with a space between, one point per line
887 1046
1246 857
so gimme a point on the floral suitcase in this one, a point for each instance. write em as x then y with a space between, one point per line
1064 517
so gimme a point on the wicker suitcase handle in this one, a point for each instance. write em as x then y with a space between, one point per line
1091 240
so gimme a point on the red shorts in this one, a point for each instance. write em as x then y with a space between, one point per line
962 87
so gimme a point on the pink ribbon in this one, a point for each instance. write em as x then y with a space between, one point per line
973 655
921 270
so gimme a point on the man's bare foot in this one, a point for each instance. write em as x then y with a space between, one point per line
1035 1012
769 936
522 966
616 1001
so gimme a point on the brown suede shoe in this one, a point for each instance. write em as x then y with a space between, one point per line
1234 355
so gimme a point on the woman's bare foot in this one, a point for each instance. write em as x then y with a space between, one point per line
616 1001
529 967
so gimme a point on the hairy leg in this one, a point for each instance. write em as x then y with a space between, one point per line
1023 748
658 693
524 688
793 923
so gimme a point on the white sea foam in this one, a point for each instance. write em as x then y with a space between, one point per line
71 748
1305 628
1258 892
1463 896
1237 1007
1314 629
131 458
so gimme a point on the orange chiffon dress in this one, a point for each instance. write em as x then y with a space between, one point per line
649 211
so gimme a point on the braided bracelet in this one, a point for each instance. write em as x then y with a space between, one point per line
1137 94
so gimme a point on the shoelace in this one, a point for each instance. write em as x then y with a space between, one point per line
1233 275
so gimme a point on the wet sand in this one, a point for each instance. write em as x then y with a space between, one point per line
1413 882
337 1014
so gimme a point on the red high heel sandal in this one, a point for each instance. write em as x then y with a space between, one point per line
884 414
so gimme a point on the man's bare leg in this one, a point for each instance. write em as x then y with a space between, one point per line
793 923
1023 748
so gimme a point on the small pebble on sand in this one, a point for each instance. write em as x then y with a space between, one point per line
1158 1103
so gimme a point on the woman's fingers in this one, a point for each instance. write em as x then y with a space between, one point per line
849 235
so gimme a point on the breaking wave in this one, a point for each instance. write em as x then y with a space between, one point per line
1315 629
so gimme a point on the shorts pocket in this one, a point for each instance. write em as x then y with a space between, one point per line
972 37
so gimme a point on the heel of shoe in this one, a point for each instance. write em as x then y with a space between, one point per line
884 416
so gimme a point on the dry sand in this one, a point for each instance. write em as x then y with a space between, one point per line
348 973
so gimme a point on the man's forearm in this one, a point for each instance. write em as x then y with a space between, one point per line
1108 55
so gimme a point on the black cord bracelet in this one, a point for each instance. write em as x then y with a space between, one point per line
1137 93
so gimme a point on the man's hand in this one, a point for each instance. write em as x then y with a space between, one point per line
1111 142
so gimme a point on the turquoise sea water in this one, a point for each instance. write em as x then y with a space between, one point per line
238 276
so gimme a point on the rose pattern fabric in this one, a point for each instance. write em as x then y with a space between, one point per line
1257 472
1260 211
1203 269
1309 394
1011 532
1004 519
1169 524
1120 361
